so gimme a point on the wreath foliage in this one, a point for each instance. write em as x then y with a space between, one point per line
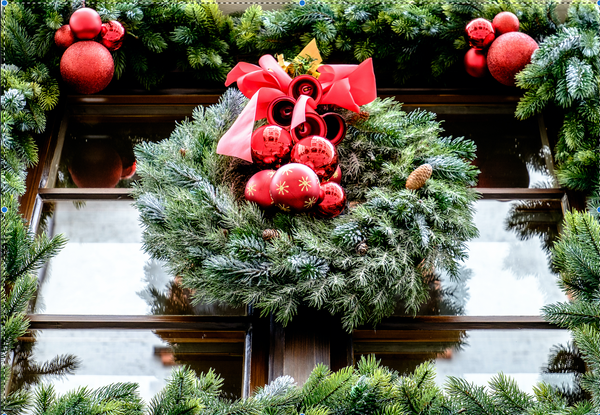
195 217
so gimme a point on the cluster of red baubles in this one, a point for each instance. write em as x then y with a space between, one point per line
301 171
87 64
499 47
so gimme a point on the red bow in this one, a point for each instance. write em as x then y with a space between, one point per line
348 86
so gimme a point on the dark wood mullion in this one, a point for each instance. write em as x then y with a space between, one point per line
68 322
461 323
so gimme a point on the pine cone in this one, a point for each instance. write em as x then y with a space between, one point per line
182 151
355 118
269 234
362 249
417 178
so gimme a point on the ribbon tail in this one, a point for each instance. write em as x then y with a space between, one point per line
236 141
299 114
362 82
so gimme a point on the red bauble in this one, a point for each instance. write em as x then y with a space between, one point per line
295 187
96 163
64 37
257 189
334 201
270 146
480 33
505 22
317 153
336 177
475 63
87 67
112 35
85 23
508 55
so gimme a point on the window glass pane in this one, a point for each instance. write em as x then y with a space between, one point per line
475 355
141 356
104 270
508 271
97 150
509 152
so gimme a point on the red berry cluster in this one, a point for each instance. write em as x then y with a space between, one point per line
301 171
499 47
87 63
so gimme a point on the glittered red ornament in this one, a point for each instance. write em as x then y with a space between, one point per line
505 22
270 146
295 187
87 67
96 163
64 37
314 125
317 153
280 111
480 32
305 85
112 35
508 55
257 189
476 63
85 23
333 202
336 177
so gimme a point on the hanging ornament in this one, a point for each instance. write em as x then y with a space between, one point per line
476 63
317 153
480 32
295 187
64 37
505 22
508 55
96 163
112 35
418 177
336 177
257 189
280 111
314 125
87 67
85 23
334 200
336 127
270 146
305 85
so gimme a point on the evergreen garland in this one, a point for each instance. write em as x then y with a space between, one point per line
190 202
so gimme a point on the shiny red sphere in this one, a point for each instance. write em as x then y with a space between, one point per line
336 177
476 63
295 187
112 35
257 189
480 32
334 201
85 23
317 153
270 146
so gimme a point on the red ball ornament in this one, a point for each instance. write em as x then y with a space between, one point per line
505 22
64 37
96 163
476 63
295 187
508 55
270 146
336 177
112 35
85 23
87 67
317 153
480 32
333 202
257 189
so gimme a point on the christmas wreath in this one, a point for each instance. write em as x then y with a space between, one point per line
381 250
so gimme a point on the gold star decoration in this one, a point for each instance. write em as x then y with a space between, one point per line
310 202
284 207
305 184
271 173
282 188
251 189
287 171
